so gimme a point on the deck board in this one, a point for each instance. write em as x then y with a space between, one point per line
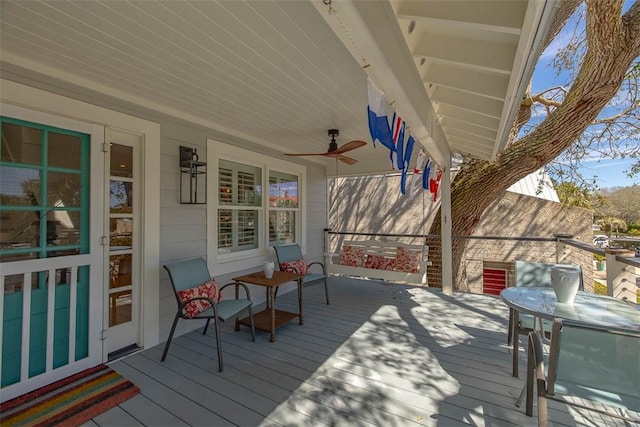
379 355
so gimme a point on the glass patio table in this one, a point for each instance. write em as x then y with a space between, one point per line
587 307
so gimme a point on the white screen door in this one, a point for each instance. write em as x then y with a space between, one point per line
122 302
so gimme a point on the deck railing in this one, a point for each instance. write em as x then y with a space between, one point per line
488 264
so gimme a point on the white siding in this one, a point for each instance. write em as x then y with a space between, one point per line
537 184
183 228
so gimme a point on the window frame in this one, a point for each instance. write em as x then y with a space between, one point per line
235 261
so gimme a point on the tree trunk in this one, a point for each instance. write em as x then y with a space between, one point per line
613 42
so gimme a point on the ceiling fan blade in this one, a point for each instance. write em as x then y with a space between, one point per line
345 159
306 154
349 146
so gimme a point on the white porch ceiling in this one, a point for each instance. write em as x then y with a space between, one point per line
280 73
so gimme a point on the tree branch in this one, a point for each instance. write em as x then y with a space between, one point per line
615 117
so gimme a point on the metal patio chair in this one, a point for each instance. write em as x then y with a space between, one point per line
534 274
596 363
290 259
199 298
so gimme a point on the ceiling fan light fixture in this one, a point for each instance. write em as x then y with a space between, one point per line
334 150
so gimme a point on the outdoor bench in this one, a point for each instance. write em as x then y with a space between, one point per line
393 261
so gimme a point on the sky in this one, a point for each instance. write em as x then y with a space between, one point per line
609 173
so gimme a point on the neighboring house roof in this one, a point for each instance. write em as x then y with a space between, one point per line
538 184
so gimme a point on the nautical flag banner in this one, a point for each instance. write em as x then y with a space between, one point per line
408 150
415 178
379 112
434 182
397 136
426 174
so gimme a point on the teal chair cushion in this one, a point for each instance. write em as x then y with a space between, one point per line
312 277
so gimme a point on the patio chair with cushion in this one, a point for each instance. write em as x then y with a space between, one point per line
534 274
199 298
290 259
595 363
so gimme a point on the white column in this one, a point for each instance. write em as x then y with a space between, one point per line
445 218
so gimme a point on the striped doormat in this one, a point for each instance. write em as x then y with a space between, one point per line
71 401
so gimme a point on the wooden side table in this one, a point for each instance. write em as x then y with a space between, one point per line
270 318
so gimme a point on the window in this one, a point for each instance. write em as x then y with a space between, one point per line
283 207
239 206
44 191
257 204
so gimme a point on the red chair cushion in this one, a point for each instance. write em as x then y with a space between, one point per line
298 266
407 260
209 290
379 262
353 256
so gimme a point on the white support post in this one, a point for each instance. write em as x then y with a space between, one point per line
620 282
445 218
562 249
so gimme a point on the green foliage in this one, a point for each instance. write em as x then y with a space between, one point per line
572 195
611 224
619 202
633 229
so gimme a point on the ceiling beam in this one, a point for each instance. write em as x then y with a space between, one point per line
507 16
473 54
468 101
486 84
453 125
474 118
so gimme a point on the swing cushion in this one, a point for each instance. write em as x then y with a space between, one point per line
352 256
379 262
298 266
407 260
207 290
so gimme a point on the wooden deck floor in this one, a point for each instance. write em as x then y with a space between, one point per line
380 354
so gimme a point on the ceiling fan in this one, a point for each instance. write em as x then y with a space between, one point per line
336 152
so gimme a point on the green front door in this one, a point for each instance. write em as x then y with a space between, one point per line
44 242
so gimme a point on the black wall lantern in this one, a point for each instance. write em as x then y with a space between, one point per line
193 178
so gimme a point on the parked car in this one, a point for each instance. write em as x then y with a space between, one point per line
601 241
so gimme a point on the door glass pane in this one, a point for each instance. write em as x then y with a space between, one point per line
19 186
63 228
21 144
64 150
119 308
121 232
119 271
64 189
121 197
121 160
20 229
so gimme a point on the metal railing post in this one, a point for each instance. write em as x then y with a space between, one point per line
620 282
563 251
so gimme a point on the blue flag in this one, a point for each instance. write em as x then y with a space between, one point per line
407 158
425 175
378 112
